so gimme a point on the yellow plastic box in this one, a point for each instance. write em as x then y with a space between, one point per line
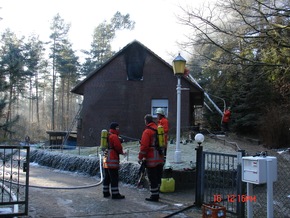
167 185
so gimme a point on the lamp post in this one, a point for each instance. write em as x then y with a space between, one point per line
178 69
199 138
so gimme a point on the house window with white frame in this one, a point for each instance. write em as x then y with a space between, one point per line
159 103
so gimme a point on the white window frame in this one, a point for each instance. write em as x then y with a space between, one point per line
156 103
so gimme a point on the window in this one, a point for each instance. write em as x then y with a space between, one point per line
156 103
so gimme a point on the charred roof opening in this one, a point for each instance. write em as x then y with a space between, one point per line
135 57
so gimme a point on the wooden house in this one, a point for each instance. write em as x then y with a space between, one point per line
131 84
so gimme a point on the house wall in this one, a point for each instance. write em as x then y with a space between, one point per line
109 96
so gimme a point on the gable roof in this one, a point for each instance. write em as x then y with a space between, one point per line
78 89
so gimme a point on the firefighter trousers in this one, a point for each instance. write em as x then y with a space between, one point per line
155 175
111 179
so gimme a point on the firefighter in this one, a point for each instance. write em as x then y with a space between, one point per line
154 160
163 121
111 162
226 120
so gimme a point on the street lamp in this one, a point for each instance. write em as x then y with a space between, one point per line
199 138
178 69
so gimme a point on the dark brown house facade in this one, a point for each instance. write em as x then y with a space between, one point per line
134 82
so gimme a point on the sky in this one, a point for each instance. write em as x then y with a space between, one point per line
156 23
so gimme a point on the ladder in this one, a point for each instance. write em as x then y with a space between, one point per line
207 96
72 125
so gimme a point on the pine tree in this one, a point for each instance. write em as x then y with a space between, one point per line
59 36
12 64
103 36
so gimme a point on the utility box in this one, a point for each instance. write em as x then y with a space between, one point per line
254 169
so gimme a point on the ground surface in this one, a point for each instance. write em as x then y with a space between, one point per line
89 202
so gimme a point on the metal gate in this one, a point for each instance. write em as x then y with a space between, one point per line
222 182
14 176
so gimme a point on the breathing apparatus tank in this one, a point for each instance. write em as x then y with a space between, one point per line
104 139
161 137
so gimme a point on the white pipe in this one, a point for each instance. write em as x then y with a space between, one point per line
249 203
177 156
270 209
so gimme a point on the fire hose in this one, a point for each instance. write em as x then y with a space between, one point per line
72 187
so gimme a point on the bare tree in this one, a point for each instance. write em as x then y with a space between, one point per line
241 48
239 31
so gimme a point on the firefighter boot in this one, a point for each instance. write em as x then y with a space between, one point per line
106 194
118 196
153 198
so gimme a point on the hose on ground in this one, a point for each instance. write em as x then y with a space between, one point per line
73 187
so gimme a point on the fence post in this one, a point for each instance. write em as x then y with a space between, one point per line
198 181
241 188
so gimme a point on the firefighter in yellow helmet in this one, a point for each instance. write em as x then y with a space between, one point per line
163 121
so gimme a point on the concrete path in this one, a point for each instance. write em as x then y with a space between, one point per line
89 202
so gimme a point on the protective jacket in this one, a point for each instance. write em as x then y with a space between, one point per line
226 117
147 148
164 123
112 157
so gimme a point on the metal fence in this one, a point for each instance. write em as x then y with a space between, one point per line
222 183
281 191
14 176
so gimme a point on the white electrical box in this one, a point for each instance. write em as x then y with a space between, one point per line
254 169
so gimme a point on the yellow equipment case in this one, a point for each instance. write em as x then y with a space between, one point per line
167 185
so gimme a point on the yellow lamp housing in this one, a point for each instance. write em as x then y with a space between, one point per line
178 65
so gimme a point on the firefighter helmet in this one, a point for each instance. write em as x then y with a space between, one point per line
160 111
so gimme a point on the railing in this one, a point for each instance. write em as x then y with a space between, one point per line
222 181
14 180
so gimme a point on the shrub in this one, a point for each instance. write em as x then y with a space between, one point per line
275 128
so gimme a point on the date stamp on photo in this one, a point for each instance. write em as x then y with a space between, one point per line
234 198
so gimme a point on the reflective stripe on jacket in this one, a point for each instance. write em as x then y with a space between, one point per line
147 148
111 159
